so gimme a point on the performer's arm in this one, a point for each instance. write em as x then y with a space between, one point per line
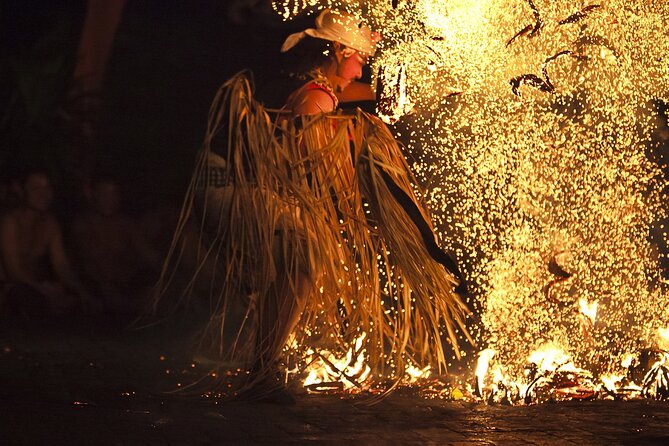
357 91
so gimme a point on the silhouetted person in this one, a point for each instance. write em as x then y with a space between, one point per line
116 262
38 276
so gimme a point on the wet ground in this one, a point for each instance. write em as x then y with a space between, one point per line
97 383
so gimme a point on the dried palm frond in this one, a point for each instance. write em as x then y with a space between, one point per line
316 196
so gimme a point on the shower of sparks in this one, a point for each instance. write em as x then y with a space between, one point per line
530 126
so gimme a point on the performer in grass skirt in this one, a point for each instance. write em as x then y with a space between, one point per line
312 219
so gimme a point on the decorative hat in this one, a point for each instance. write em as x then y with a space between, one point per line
338 26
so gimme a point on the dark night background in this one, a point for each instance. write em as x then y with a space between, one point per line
167 60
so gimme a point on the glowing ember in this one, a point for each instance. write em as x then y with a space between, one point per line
530 129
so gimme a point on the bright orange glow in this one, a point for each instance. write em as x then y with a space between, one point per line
547 196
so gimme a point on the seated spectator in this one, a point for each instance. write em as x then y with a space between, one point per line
115 261
38 277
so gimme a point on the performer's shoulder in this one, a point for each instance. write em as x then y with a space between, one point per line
311 100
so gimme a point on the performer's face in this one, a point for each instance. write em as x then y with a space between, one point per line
350 65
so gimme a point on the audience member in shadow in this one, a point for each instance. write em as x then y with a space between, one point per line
115 261
39 281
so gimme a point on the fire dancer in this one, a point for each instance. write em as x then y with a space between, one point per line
313 218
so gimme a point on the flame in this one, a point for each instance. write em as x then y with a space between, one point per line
350 370
347 370
482 366
414 373
611 381
588 309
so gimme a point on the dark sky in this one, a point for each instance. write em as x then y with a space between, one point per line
168 60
